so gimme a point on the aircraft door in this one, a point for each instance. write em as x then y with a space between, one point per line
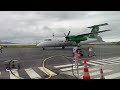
60 43
56 42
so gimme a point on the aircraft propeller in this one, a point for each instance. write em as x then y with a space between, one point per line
67 35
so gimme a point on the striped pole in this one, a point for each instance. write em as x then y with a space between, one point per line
101 74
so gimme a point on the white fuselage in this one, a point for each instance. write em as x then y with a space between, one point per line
59 42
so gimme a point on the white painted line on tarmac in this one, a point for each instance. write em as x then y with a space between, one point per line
93 69
67 65
12 76
114 63
32 73
92 64
97 62
47 71
111 76
108 60
66 69
60 66
10 60
90 70
105 59
112 60
80 71
98 72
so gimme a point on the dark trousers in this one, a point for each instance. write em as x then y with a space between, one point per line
1 50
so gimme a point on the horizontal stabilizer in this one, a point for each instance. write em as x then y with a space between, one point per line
98 25
92 33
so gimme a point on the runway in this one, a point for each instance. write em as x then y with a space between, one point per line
33 58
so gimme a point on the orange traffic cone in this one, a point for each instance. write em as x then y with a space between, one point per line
86 71
101 74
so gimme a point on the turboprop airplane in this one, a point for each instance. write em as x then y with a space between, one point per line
73 40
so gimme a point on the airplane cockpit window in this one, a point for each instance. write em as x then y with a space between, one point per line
48 40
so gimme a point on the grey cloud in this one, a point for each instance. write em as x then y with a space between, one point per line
62 15
28 26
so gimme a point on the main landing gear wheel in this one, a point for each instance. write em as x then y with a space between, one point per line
63 47
43 48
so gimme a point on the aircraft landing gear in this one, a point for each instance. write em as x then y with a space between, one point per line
63 47
43 48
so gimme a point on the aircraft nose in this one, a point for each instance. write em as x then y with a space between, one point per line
40 45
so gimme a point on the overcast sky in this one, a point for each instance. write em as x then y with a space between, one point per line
32 26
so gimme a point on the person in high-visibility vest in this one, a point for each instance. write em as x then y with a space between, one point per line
1 49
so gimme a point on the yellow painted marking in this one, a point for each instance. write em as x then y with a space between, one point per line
47 71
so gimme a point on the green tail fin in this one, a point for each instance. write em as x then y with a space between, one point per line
95 28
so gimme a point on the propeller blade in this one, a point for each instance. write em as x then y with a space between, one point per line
65 34
68 33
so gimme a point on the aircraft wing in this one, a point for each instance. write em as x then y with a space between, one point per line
92 33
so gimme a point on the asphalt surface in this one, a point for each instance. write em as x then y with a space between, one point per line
33 57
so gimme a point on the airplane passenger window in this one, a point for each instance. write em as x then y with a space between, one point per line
48 40
60 41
